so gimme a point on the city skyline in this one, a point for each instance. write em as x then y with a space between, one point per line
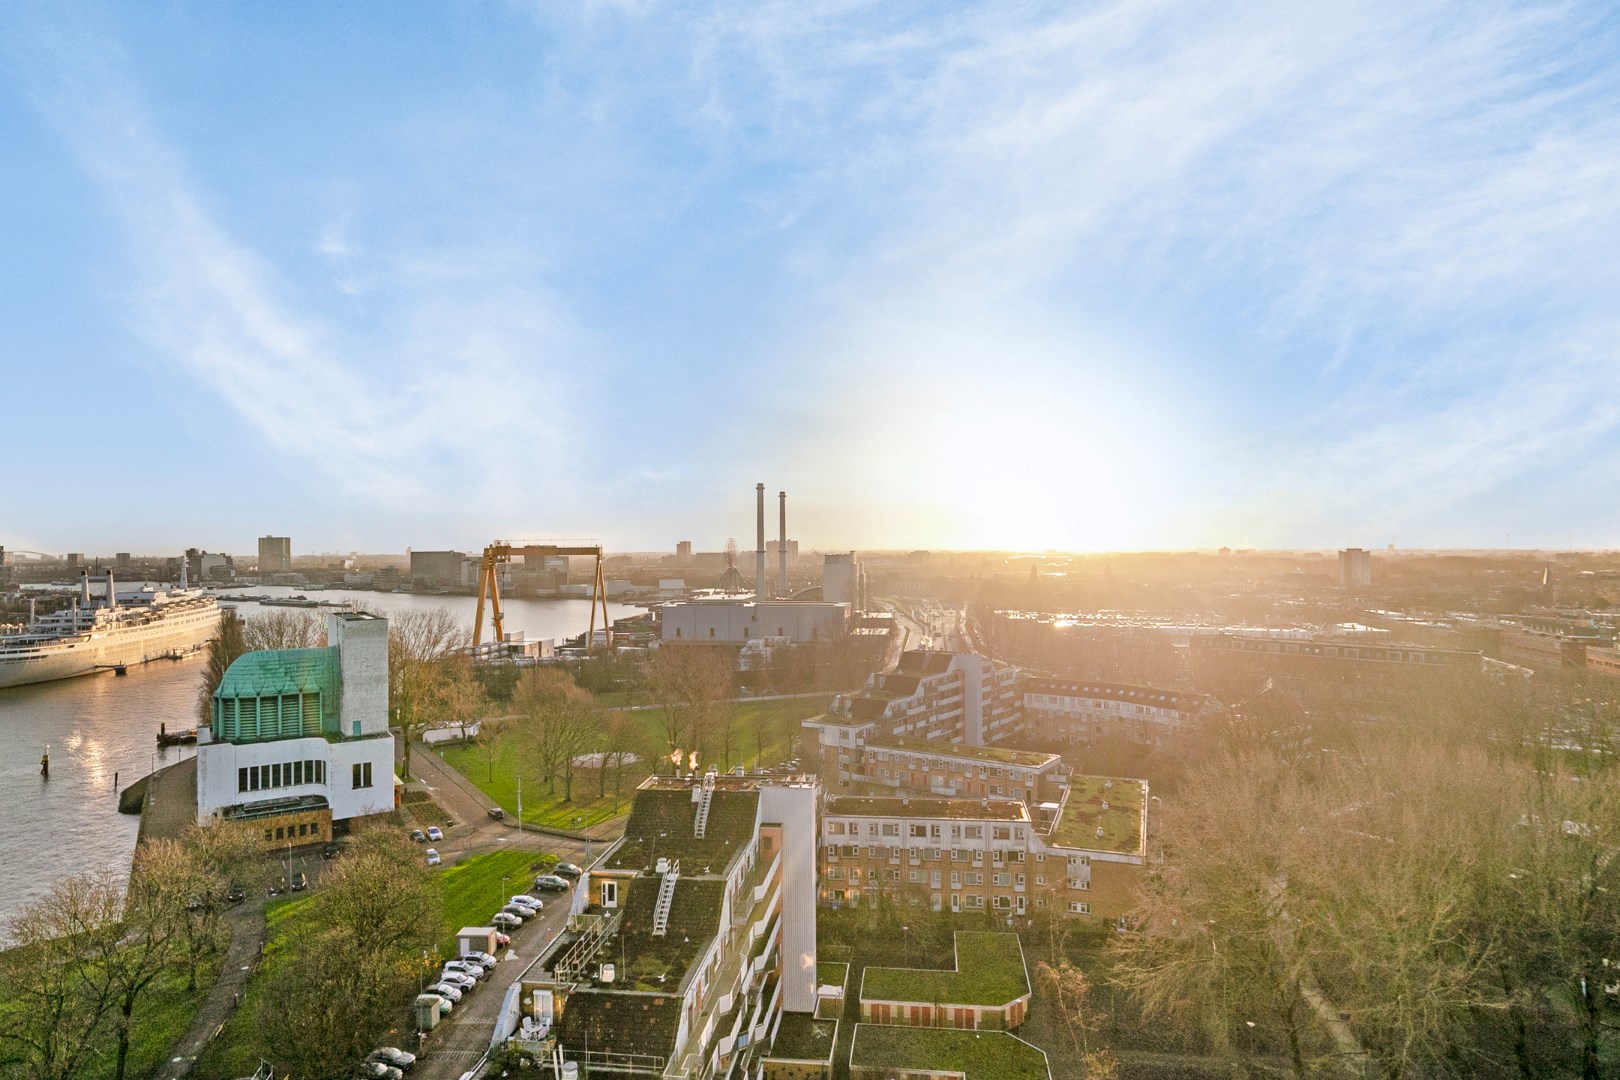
1093 277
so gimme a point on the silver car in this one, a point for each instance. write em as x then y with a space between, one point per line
445 990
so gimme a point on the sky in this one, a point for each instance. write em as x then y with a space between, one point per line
1080 276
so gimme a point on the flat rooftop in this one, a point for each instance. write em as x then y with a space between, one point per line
801 1037
663 824
989 971
897 807
1112 804
976 1055
999 755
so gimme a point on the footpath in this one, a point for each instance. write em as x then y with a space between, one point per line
246 924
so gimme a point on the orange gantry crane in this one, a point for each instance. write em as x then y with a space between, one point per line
489 584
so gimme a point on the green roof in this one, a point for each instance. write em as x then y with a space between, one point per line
989 971
1084 811
801 1037
1028 759
831 973
978 1055
281 671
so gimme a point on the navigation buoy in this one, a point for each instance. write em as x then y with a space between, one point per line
45 763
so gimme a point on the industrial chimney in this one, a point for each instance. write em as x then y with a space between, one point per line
781 549
759 551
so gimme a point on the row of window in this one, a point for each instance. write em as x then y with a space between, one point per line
935 878
280 774
967 902
930 854
925 830
945 765
305 831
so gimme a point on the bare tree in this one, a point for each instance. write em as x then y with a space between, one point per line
417 641
693 685
224 647
559 722
285 629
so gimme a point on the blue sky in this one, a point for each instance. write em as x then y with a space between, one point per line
1086 275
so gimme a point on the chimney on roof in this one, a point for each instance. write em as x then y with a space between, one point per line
759 550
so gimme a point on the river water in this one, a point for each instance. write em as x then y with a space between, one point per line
101 727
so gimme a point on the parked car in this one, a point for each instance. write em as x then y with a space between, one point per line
276 887
458 980
377 1070
497 813
445 990
434 833
567 870
525 900
501 940
235 894
503 921
329 850
433 857
522 913
445 1004
467 967
551 883
482 957
419 836
392 1055
300 882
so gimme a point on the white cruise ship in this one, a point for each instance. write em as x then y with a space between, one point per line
116 631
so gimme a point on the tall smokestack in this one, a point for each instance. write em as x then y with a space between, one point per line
781 548
759 552
112 592
84 587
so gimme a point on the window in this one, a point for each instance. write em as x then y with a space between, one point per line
1001 880
933 832
850 851
1040 879
871 829
610 894
891 828
1002 903
241 779
918 877
956 879
835 873
976 902
874 853
1077 908
362 774
836 828
919 830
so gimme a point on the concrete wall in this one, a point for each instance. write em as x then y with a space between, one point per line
362 644
794 807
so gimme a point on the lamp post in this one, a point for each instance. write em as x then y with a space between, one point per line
289 864
906 932
504 880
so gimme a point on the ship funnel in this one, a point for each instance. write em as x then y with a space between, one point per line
84 587
112 593
184 560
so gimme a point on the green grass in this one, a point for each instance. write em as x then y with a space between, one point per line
474 888
1083 814
471 889
831 973
979 1055
989 971
493 764
801 1037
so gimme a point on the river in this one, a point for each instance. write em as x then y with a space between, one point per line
101 727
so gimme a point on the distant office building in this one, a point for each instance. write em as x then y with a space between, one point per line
121 562
773 549
1355 568
436 568
75 558
683 550
299 738
275 554
841 579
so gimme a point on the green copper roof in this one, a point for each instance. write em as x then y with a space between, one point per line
278 694
281 671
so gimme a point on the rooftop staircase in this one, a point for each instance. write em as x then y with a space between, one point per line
701 823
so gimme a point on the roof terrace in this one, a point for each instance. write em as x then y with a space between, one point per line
999 755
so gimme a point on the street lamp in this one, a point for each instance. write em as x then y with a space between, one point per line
906 930
502 902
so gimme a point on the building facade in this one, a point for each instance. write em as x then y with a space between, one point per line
1083 711
299 740
275 555
737 622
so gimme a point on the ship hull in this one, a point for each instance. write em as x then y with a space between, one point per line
178 635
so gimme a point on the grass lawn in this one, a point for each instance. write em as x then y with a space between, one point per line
493 764
989 970
476 888
472 888
977 1055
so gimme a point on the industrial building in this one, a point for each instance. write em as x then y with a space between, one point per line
841 579
299 741
735 621
694 934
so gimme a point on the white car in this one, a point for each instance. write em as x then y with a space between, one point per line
505 921
434 833
445 990
525 900
445 1004
457 979
481 957
467 967
432 857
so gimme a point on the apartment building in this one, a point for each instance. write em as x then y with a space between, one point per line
1081 855
694 934
1082 711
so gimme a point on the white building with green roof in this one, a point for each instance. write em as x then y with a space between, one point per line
299 738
